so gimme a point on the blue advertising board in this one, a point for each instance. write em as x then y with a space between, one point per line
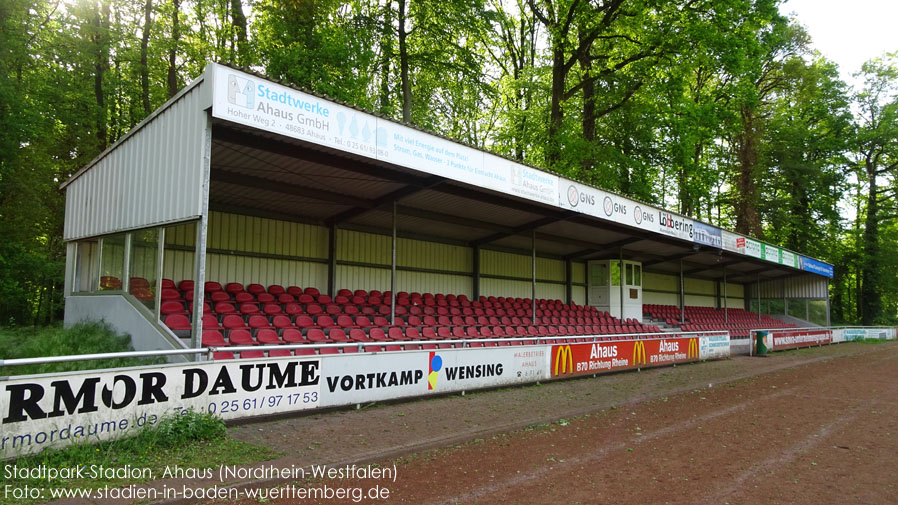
817 267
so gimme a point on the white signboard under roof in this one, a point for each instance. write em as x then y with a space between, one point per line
248 100
595 202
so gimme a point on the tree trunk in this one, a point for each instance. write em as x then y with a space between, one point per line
403 64
870 301
556 115
144 49
172 80
589 114
101 63
238 19
386 58
747 220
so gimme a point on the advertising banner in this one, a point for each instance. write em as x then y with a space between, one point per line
366 377
604 205
675 226
753 248
59 409
788 258
245 99
733 242
771 253
601 357
714 347
814 266
248 100
785 339
708 235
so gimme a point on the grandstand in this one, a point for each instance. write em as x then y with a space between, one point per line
218 222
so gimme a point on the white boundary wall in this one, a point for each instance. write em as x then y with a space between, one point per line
58 409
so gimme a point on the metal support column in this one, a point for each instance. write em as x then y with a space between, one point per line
332 261
393 271
758 284
126 268
202 232
160 259
726 315
199 281
620 255
682 295
476 267
785 300
569 282
533 274
827 303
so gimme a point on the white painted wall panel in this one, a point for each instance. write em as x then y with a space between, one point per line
426 282
578 273
664 282
652 297
578 293
701 301
154 175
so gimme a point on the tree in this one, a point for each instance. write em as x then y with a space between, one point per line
876 159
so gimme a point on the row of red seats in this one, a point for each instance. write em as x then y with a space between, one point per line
298 335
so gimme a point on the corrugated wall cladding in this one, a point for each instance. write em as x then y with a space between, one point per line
501 263
701 301
520 289
266 271
652 297
578 274
733 290
367 278
434 256
364 248
178 262
653 280
153 176
803 286
578 295
426 282
699 287
519 265
233 232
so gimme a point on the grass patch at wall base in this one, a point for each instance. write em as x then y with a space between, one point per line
186 441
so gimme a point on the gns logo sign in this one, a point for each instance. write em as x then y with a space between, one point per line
241 92
575 197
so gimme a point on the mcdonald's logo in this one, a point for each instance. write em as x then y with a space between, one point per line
564 359
639 353
693 349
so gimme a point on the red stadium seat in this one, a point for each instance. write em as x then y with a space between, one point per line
213 339
268 337
241 337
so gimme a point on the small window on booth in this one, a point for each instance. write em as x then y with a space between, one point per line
637 275
615 273
86 275
112 262
599 273
629 274
144 258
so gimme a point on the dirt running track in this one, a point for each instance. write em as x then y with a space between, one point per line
820 427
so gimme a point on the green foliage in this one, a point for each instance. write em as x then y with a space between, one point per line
56 341
716 108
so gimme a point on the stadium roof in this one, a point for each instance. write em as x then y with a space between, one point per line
281 152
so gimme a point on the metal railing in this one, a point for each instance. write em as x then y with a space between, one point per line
208 352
